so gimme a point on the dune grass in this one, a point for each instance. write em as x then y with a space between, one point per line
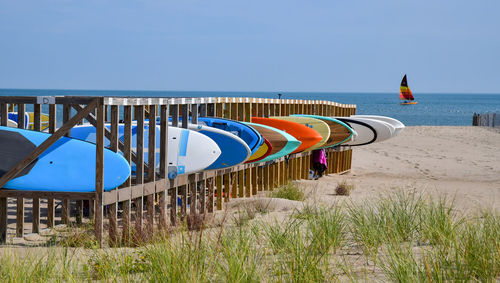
289 191
404 237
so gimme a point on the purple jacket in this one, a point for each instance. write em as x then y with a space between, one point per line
318 156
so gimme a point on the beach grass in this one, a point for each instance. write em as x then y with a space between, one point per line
403 237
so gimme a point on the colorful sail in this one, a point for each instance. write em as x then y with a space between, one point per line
404 91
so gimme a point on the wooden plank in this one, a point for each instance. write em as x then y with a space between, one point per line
150 203
51 212
58 99
79 211
21 109
241 184
193 194
210 201
99 167
202 188
37 126
45 145
127 154
21 119
183 193
248 182
52 118
65 202
260 178
173 203
138 201
113 211
65 211
223 189
20 217
253 172
3 217
4 114
234 185
163 195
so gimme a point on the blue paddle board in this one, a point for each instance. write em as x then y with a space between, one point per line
67 166
234 150
253 139
13 117
291 145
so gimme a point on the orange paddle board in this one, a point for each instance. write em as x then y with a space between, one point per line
304 134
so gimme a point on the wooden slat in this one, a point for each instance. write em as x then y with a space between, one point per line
99 169
113 207
162 224
3 219
3 114
202 188
223 189
65 211
210 201
241 184
37 125
139 203
254 185
150 208
51 212
21 109
79 211
127 154
20 217
248 182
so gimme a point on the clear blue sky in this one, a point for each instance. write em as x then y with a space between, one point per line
289 45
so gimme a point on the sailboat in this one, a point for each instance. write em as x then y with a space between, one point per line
405 93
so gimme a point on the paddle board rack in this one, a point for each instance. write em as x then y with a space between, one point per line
150 197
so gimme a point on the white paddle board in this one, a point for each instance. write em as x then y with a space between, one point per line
398 125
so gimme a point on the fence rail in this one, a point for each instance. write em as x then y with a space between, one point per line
148 202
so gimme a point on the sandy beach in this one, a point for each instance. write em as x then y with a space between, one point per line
457 162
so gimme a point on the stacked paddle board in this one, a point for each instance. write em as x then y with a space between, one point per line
214 143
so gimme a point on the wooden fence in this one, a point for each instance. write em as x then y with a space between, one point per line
148 202
486 120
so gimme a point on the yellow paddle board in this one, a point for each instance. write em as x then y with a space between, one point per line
44 120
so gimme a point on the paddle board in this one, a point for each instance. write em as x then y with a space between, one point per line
29 120
67 166
14 117
248 134
11 123
398 125
188 151
277 136
368 130
319 126
234 150
276 139
263 151
307 136
339 131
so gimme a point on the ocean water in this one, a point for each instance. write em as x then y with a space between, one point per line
432 109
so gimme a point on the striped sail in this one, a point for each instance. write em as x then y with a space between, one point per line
404 91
